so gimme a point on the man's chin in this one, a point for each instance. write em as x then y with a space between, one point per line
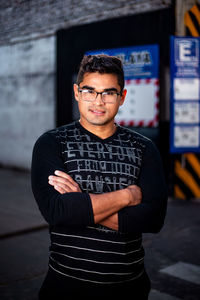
99 122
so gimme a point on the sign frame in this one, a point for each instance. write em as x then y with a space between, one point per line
141 74
184 95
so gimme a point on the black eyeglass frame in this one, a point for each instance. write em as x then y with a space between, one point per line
98 93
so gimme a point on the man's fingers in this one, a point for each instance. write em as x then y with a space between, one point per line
67 186
59 189
68 181
59 179
65 182
62 187
64 175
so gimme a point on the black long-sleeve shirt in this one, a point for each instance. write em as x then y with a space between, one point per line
81 249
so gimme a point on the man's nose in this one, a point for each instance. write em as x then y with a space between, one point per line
99 100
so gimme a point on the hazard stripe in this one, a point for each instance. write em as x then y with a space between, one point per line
189 168
188 33
194 162
190 25
192 21
196 11
187 178
178 192
188 194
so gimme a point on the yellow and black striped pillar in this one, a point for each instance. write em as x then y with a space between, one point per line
187 176
192 21
187 168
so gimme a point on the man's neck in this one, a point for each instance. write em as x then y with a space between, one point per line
102 131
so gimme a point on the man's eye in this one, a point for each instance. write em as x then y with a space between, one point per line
111 93
88 92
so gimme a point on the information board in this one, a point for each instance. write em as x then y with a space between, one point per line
185 95
141 69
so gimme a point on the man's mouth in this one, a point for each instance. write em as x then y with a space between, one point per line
97 112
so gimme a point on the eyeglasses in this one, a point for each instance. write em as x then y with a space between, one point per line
91 95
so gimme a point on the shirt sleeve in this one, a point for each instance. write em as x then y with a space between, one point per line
150 214
69 209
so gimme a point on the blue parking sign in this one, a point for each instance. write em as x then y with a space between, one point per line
185 95
186 51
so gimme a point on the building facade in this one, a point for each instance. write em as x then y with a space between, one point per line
28 63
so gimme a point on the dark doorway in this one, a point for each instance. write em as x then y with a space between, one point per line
147 28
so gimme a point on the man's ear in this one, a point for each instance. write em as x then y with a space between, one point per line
76 92
123 96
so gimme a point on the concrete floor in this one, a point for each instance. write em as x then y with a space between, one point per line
24 244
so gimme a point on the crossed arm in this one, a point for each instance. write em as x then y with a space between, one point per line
105 206
61 201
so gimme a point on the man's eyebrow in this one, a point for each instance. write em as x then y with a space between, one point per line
87 87
105 90
112 89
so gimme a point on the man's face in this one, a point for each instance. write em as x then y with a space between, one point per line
98 113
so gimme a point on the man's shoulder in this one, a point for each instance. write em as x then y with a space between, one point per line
141 141
134 136
55 135
61 131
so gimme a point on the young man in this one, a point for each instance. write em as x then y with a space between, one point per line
99 186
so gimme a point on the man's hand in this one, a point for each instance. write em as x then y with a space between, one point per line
135 195
63 183
105 206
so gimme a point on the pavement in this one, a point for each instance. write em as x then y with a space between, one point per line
172 256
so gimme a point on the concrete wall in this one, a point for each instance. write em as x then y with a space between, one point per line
27 64
34 18
27 98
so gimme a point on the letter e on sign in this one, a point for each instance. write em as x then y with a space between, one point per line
185 51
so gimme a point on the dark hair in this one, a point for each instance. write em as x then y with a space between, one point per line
102 63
